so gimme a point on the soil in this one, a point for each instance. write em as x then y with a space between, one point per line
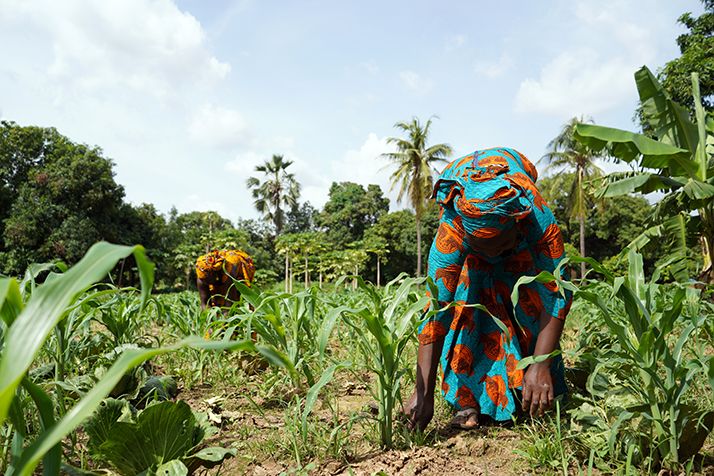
486 450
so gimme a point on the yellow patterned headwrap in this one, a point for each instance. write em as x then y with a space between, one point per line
217 265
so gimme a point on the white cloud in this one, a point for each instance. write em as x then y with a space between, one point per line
366 166
370 67
244 164
455 42
584 79
577 82
415 82
496 69
217 126
147 46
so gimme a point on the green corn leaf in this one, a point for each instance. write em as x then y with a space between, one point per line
536 359
623 417
407 322
399 297
35 269
52 460
48 305
311 397
10 300
328 324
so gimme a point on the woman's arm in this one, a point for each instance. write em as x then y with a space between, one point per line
548 252
203 293
446 257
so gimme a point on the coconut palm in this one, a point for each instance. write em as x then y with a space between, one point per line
415 161
565 153
277 192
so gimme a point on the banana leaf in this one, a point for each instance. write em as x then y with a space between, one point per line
669 121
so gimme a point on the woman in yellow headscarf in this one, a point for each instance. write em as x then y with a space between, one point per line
215 272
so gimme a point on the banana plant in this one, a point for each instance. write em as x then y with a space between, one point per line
678 162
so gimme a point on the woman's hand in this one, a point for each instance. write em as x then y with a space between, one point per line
538 391
420 407
420 410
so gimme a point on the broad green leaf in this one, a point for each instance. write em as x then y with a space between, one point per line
99 426
172 468
628 146
162 432
669 121
48 305
698 190
214 454
640 182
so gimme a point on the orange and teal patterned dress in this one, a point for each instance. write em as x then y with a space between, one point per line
482 195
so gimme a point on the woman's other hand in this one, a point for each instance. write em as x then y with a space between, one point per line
538 391
419 410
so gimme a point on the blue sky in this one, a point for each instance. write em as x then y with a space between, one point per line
188 96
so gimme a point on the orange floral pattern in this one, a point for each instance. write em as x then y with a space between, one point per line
449 276
515 376
493 345
432 332
463 318
496 390
465 398
448 240
530 301
551 243
462 360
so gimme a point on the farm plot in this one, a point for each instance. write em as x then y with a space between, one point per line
98 379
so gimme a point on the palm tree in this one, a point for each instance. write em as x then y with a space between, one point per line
567 153
415 167
279 189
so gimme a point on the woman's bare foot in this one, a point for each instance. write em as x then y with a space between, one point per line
466 419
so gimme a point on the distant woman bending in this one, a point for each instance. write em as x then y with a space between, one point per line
215 273
495 227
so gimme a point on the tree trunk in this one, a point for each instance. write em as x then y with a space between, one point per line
287 272
290 281
418 237
707 242
377 270
581 219
320 278
581 216
354 281
306 273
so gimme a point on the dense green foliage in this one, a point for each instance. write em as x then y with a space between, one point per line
695 46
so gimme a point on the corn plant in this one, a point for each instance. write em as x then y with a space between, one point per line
27 323
391 317
648 374
287 322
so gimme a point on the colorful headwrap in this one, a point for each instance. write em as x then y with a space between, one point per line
218 265
487 190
